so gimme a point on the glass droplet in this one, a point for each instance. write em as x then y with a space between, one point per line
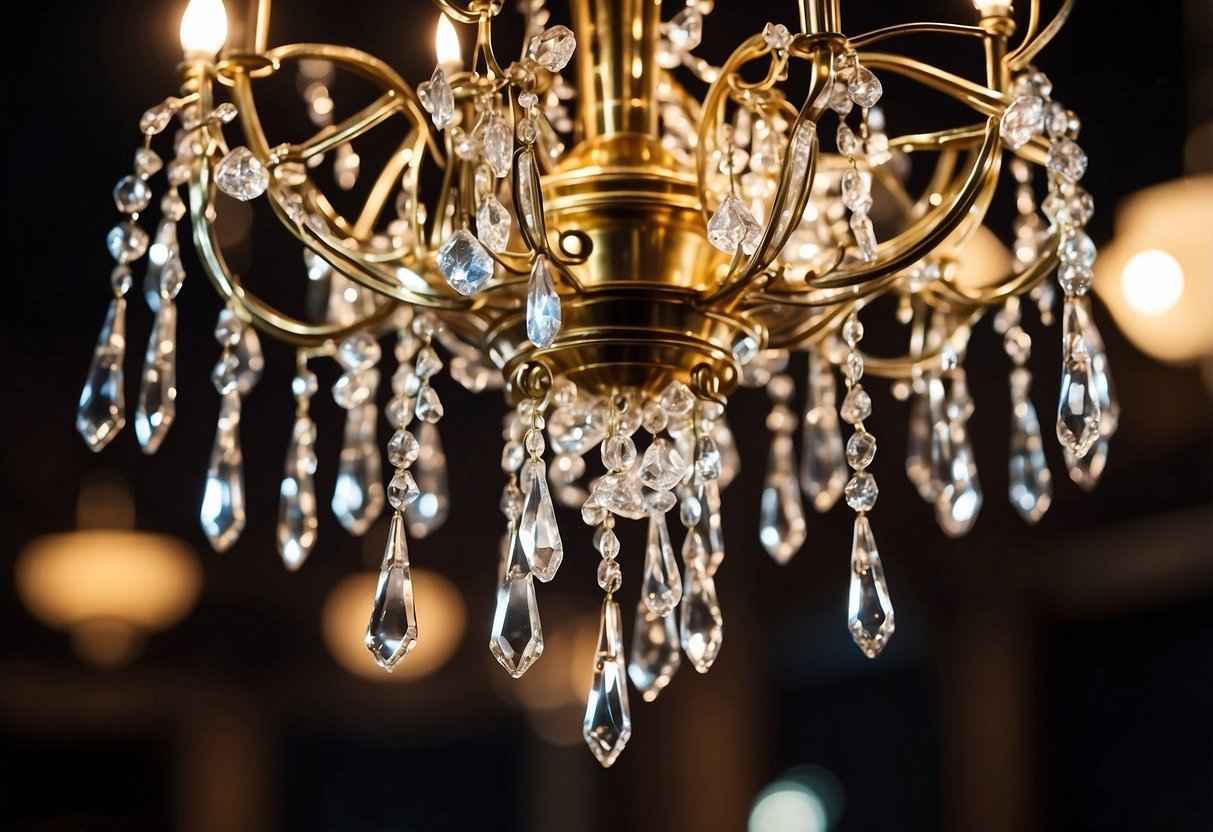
782 527
392 631
608 719
359 496
823 471
465 263
662 585
869 610
157 407
427 513
701 625
101 412
298 519
542 305
655 655
537 529
223 510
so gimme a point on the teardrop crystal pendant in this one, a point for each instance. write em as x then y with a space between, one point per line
297 515
1085 471
823 467
223 512
427 513
517 636
608 717
781 518
1101 375
392 631
709 528
1078 406
918 446
701 625
102 410
358 496
655 656
542 305
869 610
662 586
959 502
537 529
1031 484
157 407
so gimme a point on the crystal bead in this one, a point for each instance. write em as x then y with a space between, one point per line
663 501
777 37
733 225
567 468
542 305
822 470
1077 249
655 656
429 406
852 367
1056 120
677 399
493 224
155 119
163 264
527 130
241 175
848 144
1022 121
1032 83
619 493
662 467
661 588
852 330
355 388
131 194
402 490
618 453
572 430
707 457
464 263
1080 206
427 514
1075 278
701 625
223 376
781 525
861 491
608 721
157 407
865 235
1031 483
147 163
869 610
358 352
428 363
553 48
512 456
120 279
861 449
496 143
689 509
608 544
610 575
840 98
402 449
527 99
225 113
392 631
857 405
438 98
533 442
517 633
537 530
653 417
223 510
228 328
1066 159
592 513
358 495
297 516
864 87
126 241
101 412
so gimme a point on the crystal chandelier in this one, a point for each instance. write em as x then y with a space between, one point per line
618 248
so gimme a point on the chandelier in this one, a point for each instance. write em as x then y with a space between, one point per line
618 244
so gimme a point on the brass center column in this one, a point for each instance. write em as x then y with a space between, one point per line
617 72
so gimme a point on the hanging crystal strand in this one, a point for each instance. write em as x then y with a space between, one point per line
782 528
427 514
223 509
608 717
661 469
297 514
856 85
959 501
918 442
1030 481
701 625
102 409
869 610
358 496
1086 470
823 467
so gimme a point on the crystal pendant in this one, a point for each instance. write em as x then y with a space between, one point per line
358 496
781 519
655 656
249 360
959 500
869 610
708 530
493 224
297 518
102 409
823 467
438 98
1078 412
1031 484
465 263
542 305
223 512
701 626
553 48
662 467
918 446
1022 121
427 513
241 175
864 87
392 631
496 143
619 493
662 585
517 636
537 529
608 718
157 405
1085 471
1101 375
162 256
733 225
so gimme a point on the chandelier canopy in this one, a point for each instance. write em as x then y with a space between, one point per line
618 243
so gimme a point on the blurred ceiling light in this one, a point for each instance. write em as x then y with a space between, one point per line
108 587
1156 276
440 610
981 261
806 798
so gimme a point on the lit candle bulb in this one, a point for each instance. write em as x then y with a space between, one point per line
446 46
993 8
203 28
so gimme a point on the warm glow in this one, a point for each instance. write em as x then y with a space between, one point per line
441 620
981 261
203 28
993 8
788 807
1153 281
446 45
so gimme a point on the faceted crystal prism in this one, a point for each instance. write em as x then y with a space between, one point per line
392 631
537 529
662 467
1031 484
1066 159
857 405
1078 411
1022 121
701 626
493 224
497 144
223 511
464 263
157 406
865 235
733 225
542 305
131 194
126 242
777 36
661 588
297 515
869 610
517 635
102 409
241 175
655 655
959 499
162 261
358 496
918 447
427 513
553 48
782 527
823 470
864 87
438 98
619 493
608 717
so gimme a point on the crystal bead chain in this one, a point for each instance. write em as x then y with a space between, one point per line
869 610
701 624
1030 233
1030 481
297 515
358 496
857 85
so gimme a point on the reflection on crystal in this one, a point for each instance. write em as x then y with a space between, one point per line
730 458
427 513
1078 413
823 468
572 430
358 496
161 254
249 360
608 717
392 631
297 516
781 518
1101 375
542 305
655 656
959 500
465 263
517 635
1085 472
701 625
537 529
662 585
732 225
918 446
102 409
157 405
223 513
662 467
869 610
1031 484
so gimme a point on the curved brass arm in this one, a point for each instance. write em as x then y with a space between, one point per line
1026 51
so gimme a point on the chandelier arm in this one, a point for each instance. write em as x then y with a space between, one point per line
902 367
1027 50
334 135
877 35
981 98
404 162
1015 284
466 16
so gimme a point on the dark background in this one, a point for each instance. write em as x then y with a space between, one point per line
1055 677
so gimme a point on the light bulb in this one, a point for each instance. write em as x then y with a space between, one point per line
1153 282
446 46
993 8
203 28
